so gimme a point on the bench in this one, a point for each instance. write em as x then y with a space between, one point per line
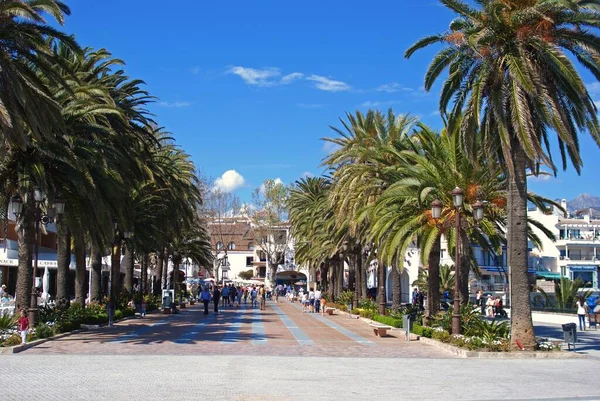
380 329
329 311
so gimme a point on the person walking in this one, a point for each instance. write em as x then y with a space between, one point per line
581 305
225 295
311 300
253 295
239 293
318 296
205 298
232 295
263 297
143 304
23 326
245 295
216 298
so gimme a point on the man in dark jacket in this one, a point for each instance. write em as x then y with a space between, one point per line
216 298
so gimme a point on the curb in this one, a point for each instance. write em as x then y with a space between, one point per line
499 355
22 347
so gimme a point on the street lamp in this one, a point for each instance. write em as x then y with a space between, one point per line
436 212
17 209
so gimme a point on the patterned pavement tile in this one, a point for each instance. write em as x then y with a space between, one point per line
280 330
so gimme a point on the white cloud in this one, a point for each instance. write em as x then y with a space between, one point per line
329 147
230 181
327 84
174 105
309 105
307 174
393 87
255 76
371 104
434 113
289 78
594 88
195 70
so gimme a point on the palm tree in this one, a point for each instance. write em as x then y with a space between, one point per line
358 164
514 83
27 107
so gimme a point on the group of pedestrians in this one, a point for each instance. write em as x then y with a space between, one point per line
490 306
232 296
313 301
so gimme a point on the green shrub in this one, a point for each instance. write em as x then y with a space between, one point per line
12 341
366 313
346 297
368 304
390 321
422 330
152 302
441 335
7 321
43 331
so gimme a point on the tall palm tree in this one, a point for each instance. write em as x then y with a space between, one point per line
357 166
28 109
511 78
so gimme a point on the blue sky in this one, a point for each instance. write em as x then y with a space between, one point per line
253 86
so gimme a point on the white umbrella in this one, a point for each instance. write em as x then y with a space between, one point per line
209 280
46 284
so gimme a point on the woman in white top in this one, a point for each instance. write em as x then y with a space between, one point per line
581 313
304 303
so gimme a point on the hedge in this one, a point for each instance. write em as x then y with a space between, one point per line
390 321
422 331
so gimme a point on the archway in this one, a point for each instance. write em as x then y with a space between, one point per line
290 278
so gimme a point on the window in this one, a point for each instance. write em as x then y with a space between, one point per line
219 245
249 260
251 246
231 246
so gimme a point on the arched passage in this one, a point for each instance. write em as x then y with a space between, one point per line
290 277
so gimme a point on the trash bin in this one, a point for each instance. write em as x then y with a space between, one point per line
407 322
570 334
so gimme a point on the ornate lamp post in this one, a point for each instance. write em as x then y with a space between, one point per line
436 213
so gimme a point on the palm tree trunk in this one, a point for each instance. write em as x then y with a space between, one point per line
158 272
115 271
63 259
396 289
26 238
357 277
96 291
339 287
433 282
364 264
381 295
144 274
520 316
330 278
129 261
464 268
80 276
165 270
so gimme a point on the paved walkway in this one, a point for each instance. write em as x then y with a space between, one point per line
227 377
280 330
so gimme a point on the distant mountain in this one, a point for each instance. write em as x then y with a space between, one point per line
584 201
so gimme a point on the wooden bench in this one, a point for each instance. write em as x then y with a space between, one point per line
380 329
329 311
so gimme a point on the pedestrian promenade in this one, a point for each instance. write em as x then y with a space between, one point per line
280 330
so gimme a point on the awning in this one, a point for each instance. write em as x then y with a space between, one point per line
548 275
583 268
492 269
